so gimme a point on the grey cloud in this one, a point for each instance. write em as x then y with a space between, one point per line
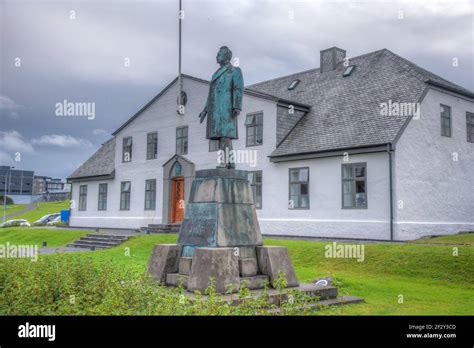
82 59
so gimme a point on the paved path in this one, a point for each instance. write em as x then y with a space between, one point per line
60 250
27 209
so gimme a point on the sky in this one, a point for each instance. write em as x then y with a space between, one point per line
117 55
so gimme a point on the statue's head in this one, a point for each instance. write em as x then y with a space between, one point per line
224 55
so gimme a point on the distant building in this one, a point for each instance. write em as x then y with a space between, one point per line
18 184
24 187
51 189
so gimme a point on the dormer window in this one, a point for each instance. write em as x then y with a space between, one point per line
293 84
348 71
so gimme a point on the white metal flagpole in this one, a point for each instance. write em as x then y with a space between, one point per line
180 79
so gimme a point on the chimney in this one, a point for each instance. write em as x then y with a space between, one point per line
330 57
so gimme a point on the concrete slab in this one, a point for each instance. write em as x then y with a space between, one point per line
275 259
255 282
185 265
248 267
164 259
217 263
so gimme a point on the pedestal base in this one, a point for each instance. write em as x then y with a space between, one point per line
225 266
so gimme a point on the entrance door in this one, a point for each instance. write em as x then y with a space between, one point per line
177 200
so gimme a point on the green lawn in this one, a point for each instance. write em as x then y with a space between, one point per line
431 280
13 208
44 209
28 236
464 239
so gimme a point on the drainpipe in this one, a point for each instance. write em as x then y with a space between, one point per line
390 189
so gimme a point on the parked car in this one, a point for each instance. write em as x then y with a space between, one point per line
45 219
55 221
16 222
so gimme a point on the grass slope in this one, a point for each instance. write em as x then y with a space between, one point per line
42 209
13 208
28 236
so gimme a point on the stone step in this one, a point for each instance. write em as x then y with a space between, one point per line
97 243
165 225
159 230
106 240
255 282
107 236
341 300
85 246
338 301
176 279
323 292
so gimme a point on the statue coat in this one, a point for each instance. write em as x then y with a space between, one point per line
225 94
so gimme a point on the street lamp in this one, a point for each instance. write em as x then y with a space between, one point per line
9 174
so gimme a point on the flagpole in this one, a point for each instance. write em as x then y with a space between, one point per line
180 79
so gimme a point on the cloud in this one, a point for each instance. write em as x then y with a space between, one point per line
5 159
100 132
9 107
12 141
61 141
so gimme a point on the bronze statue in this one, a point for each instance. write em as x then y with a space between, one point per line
224 102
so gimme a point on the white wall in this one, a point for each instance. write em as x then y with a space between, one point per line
324 218
437 193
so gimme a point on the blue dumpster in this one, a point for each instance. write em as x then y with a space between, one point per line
65 215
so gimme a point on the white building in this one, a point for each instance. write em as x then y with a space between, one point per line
371 147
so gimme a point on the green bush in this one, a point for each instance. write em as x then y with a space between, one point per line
78 286
9 200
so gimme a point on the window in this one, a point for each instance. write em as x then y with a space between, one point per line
255 180
102 197
354 185
446 121
293 84
151 145
254 124
127 149
82 197
182 140
125 195
470 126
213 145
299 188
150 194
348 71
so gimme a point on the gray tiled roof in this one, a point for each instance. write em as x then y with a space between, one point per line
101 163
345 111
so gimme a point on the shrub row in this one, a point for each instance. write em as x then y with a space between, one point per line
79 286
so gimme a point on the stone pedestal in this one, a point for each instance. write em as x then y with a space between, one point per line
220 238
220 212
